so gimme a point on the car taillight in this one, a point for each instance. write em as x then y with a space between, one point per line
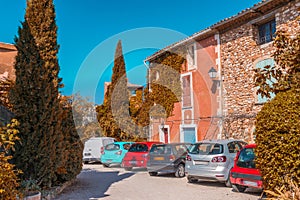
219 159
102 150
188 158
119 152
172 157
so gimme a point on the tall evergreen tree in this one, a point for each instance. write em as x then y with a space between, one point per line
35 96
113 115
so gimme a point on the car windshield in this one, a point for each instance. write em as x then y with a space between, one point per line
207 148
138 148
112 147
246 158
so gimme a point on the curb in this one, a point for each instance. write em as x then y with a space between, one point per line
51 194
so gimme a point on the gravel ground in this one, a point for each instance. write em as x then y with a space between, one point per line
96 182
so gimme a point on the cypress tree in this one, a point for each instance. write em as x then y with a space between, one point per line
35 94
113 115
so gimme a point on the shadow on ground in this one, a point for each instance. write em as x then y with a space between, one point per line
85 187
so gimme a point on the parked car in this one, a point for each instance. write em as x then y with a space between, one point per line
167 158
212 160
114 153
137 155
244 173
93 148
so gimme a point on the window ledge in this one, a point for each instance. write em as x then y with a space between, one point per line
264 45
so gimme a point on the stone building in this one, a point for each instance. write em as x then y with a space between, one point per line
224 104
8 53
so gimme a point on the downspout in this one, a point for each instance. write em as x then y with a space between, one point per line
220 111
148 83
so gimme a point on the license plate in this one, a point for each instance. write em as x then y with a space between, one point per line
198 162
132 162
87 154
159 158
250 183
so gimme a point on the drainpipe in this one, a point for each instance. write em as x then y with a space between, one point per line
148 83
221 112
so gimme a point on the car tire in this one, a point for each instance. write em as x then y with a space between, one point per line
191 179
128 168
180 171
153 173
106 165
239 188
86 162
228 182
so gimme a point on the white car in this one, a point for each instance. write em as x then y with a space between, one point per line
94 147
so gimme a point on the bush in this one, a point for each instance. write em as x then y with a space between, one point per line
278 139
8 176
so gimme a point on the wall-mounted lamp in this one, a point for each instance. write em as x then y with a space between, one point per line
212 73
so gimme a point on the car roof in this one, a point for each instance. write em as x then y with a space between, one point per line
250 146
122 142
220 141
175 143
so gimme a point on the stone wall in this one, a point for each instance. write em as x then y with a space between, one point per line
240 51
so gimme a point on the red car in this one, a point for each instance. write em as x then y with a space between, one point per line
137 155
244 173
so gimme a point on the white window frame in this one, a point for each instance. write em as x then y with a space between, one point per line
192 61
182 126
161 133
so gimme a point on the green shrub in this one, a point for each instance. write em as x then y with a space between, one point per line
278 139
8 175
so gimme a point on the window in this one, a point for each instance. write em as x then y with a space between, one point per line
234 147
207 149
138 148
246 158
261 64
191 56
186 90
112 147
267 31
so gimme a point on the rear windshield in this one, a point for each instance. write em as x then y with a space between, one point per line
138 148
246 158
207 148
168 149
112 147
159 149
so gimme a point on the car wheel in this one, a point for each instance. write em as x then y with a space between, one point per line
106 165
152 173
191 179
228 182
180 171
86 162
239 188
128 168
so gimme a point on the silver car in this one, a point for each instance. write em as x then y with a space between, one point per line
212 160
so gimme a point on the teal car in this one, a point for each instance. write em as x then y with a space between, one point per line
114 153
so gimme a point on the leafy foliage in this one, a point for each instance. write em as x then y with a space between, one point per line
278 123
48 139
286 74
8 175
114 114
5 86
165 87
278 138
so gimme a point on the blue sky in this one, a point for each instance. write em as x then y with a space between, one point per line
88 31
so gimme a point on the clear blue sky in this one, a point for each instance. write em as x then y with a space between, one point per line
89 29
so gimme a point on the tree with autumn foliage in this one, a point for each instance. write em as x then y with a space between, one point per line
278 123
45 129
114 114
